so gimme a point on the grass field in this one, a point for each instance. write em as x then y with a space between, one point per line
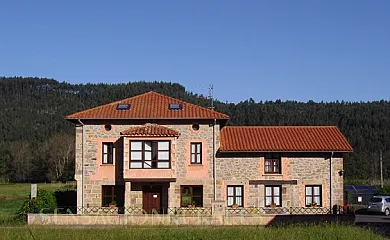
301 232
12 197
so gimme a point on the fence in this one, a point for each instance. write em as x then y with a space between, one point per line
201 211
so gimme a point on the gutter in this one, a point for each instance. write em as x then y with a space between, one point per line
330 182
82 166
214 160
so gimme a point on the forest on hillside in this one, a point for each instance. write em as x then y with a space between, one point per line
37 143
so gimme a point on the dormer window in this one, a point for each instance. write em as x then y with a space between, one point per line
175 106
122 106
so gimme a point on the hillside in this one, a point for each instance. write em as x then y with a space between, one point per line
33 109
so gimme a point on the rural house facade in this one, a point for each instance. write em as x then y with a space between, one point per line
154 152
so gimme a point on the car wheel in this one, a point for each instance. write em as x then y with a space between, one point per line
387 212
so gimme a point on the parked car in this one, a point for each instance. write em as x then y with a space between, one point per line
379 204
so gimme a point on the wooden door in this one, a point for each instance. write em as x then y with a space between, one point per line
152 200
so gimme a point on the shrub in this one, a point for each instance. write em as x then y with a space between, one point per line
45 202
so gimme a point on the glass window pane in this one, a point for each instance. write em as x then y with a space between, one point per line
135 164
105 148
105 158
148 164
192 148
268 191
316 190
230 201
276 191
277 200
163 145
192 158
238 201
198 158
162 164
197 201
230 191
238 191
268 201
136 146
163 155
148 155
199 147
136 156
148 146
308 200
197 191
308 190
317 200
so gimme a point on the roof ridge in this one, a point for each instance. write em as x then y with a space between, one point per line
188 103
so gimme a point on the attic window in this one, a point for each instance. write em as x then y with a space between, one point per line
123 107
175 106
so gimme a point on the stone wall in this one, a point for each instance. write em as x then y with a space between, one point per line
96 174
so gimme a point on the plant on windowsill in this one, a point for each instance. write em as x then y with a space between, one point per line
273 205
193 205
313 204
235 206
112 204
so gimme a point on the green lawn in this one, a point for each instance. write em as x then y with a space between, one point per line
12 197
301 232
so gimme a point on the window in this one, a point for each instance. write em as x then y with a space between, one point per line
107 127
273 196
191 195
313 195
122 106
108 153
108 195
235 196
175 106
272 163
195 127
150 154
196 153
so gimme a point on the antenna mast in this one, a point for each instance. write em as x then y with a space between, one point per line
211 95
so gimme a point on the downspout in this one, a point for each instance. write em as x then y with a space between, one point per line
82 166
330 182
214 163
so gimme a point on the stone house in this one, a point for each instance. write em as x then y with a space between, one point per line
155 152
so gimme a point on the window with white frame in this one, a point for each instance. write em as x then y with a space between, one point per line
235 196
313 195
273 196
196 153
150 154
108 153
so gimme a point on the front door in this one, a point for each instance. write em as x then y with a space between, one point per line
152 199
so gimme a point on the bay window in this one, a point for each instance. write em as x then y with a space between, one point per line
150 154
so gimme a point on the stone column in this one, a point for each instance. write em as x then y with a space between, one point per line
127 194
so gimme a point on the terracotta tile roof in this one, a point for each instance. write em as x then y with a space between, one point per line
304 138
150 130
150 105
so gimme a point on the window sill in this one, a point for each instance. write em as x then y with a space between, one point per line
107 164
195 165
272 174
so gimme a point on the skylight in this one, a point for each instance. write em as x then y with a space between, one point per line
175 106
123 106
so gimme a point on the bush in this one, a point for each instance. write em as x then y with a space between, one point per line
45 202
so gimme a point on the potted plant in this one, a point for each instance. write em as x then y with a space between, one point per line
273 205
235 206
313 204
112 204
193 205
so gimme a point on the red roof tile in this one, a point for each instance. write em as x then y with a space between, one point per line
304 138
150 105
151 130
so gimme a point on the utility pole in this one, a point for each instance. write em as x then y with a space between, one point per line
381 166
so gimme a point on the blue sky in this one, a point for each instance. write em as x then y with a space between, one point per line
291 50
